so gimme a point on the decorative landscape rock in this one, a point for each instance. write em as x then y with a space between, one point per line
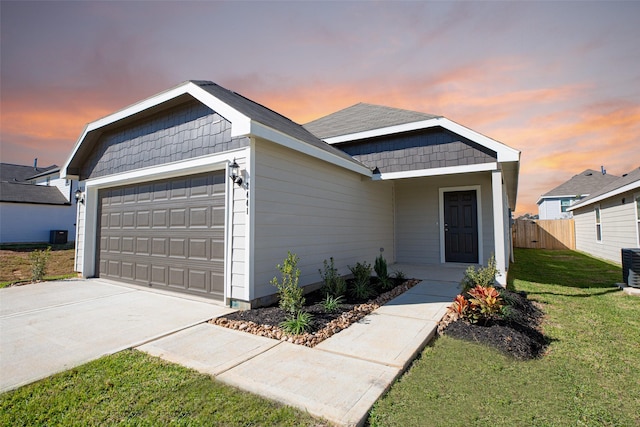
265 321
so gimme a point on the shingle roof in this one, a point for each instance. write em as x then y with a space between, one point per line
363 117
586 182
268 117
20 173
30 193
626 179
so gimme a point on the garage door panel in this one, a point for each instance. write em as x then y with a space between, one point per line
176 248
159 246
127 270
176 277
178 218
198 217
166 234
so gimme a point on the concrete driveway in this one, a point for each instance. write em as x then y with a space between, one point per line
50 327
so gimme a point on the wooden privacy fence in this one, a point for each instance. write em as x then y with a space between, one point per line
544 234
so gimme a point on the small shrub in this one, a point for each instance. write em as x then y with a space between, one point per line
39 260
482 276
332 303
333 284
380 267
297 324
460 307
485 303
290 294
361 288
399 275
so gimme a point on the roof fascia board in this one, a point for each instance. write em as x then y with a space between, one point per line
629 187
240 123
505 153
449 170
261 131
566 196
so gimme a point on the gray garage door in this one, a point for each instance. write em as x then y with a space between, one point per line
165 234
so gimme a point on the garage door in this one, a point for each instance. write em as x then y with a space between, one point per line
165 234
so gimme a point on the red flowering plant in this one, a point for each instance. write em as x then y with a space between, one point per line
484 304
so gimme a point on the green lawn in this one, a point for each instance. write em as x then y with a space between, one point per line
590 376
132 388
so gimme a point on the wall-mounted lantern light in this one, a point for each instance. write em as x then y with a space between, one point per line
234 173
79 195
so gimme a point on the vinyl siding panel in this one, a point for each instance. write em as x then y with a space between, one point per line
29 222
418 216
80 230
317 211
239 285
618 227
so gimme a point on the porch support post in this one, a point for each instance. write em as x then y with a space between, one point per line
499 206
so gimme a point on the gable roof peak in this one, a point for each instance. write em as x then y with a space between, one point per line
584 183
362 117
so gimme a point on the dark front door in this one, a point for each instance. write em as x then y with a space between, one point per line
461 227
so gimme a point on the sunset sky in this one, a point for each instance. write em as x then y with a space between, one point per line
558 81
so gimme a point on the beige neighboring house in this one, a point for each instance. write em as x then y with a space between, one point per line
555 204
202 191
609 219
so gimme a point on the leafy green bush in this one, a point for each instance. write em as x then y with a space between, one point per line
297 324
482 276
380 267
331 303
39 261
290 294
399 275
333 284
361 288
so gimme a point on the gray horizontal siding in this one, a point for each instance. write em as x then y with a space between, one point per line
418 150
618 224
417 213
317 211
187 131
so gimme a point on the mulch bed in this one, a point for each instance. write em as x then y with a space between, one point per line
517 335
265 321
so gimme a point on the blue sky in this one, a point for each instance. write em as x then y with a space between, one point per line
559 81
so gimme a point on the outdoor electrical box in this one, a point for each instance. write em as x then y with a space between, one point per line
58 237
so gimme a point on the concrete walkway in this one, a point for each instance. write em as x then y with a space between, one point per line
50 327
342 377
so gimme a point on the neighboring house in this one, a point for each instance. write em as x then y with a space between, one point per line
556 203
33 202
609 219
201 190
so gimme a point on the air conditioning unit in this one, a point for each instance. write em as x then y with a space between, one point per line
631 267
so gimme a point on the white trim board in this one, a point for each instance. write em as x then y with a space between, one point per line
504 152
478 191
629 187
449 170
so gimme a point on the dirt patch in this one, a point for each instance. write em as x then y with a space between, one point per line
517 333
265 321
16 267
